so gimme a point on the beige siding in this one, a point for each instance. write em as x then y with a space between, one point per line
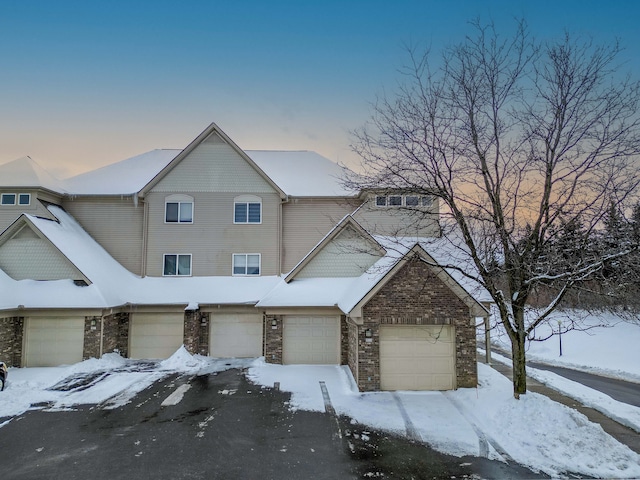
213 167
115 223
26 256
9 213
347 255
305 223
212 238
398 221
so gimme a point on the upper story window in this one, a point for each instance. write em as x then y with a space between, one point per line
247 209
178 209
406 201
177 264
8 199
246 264
24 198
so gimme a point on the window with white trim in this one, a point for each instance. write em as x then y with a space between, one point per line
8 199
246 264
178 209
176 264
247 209
24 199
381 201
395 200
411 200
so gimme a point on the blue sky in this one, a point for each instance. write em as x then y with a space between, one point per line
86 83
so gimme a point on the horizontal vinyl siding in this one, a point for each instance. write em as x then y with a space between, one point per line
305 223
35 259
9 213
115 223
213 238
213 167
398 221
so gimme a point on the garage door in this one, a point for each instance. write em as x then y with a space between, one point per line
236 335
417 358
311 340
155 335
53 341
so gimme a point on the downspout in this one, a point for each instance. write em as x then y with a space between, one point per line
280 233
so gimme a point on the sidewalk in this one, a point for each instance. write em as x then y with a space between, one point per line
621 433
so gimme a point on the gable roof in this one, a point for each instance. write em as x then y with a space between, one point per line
302 173
210 130
27 173
345 222
126 177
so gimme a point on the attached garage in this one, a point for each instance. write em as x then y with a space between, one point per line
52 341
236 335
417 357
155 335
311 340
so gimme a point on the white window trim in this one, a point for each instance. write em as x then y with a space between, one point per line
177 255
375 200
179 199
15 199
246 199
246 255
24 204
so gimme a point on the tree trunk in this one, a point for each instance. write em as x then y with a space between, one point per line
519 367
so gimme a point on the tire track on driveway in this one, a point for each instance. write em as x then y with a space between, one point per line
412 433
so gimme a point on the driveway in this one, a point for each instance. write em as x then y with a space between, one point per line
218 426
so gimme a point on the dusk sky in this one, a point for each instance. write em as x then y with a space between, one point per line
87 83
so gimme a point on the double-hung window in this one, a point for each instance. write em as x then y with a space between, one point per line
177 264
246 264
247 209
178 209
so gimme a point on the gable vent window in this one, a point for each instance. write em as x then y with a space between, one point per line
8 199
177 265
246 264
178 209
247 209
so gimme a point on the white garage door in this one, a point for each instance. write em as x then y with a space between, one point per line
311 340
53 341
236 335
417 357
155 335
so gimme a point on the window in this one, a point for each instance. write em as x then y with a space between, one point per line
8 199
381 201
395 201
177 264
246 264
247 209
179 212
411 201
24 199
426 201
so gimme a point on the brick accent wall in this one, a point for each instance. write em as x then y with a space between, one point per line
11 334
344 340
273 339
352 359
116 333
92 329
415 296
196 332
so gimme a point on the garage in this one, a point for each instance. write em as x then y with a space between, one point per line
417 357
311 340
236 335
52 341
155 335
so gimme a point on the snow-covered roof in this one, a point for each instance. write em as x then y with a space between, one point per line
113 285
302 173
122 178
26 172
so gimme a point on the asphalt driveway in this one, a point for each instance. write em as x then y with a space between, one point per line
218 426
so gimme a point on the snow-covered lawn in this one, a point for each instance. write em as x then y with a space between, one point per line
486 421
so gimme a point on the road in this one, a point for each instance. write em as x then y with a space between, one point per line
626 392
218 426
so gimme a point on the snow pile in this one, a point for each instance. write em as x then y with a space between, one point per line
183 361
534 431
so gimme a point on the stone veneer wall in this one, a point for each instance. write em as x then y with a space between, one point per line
11 333
116 333
352 359
92 330
273 339
344 340
414 296
196 332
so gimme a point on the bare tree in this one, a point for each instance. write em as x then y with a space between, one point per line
516 139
